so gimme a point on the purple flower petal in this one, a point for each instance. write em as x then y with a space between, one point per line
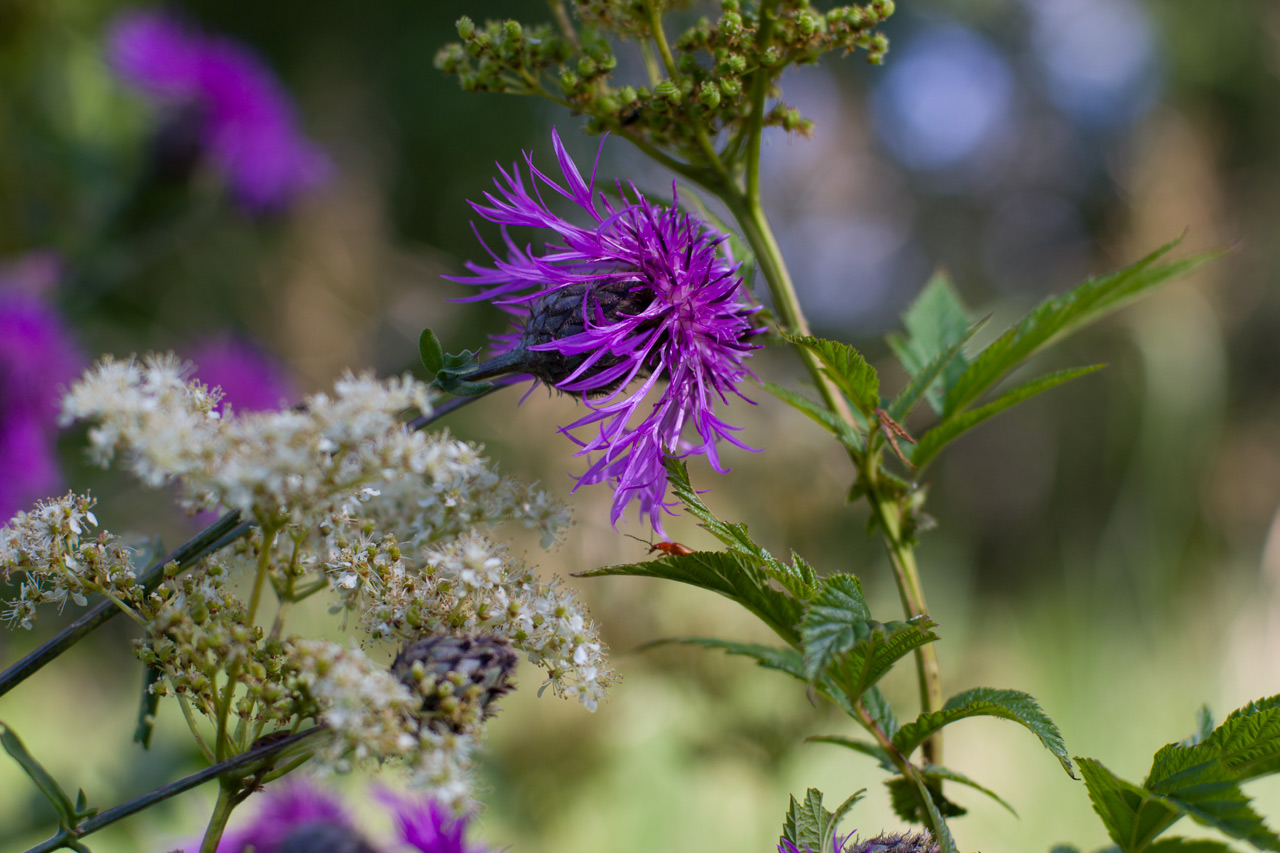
694 334
249 130
251 380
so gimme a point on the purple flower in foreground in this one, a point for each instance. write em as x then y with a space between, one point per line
251 380
428 826
837 845
37 357
301 818
245 121
640 293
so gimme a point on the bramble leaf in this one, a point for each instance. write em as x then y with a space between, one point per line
904 798
735 536
731 574
867 748
880 710
834 424
1188 845
809 826
985 701
846 367
951 428
925 383
1194 781
1132 817
827 629
1060 315
934 773
1249 739
841 640
936 322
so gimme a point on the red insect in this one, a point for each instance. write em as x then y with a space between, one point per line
670 548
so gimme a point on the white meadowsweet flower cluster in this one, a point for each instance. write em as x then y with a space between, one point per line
279 467
60 558
348 502
470 586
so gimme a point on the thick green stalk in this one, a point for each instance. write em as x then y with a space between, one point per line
221 812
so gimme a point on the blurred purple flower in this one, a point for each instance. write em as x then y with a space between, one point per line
247 125
299 817
37 357
639 293
290 813
251 380
427 826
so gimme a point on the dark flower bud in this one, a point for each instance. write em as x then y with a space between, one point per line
324 837
897 842
459 678
560 314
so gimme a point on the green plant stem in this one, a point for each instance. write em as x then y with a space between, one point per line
241 766
907 576
905 767
218 820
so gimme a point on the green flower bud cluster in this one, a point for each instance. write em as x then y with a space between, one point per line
709 80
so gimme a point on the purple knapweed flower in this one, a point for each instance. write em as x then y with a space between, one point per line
250 379
291 812
640 293
245 122
299 816
427 826
37 358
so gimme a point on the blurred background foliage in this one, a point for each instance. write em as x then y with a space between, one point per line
1111 548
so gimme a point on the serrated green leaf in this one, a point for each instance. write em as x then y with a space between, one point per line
827 629
1132 816
879 646
430 351
905 801
1194 781
42 778
934 773
1204 726
988 702
808 825
769 657
951 428
936 322
731 574
845 807
1056 317
833 423
841 641
1249 738
1188 845
880 710
734 536
872 750
946 843
846 367
926 382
